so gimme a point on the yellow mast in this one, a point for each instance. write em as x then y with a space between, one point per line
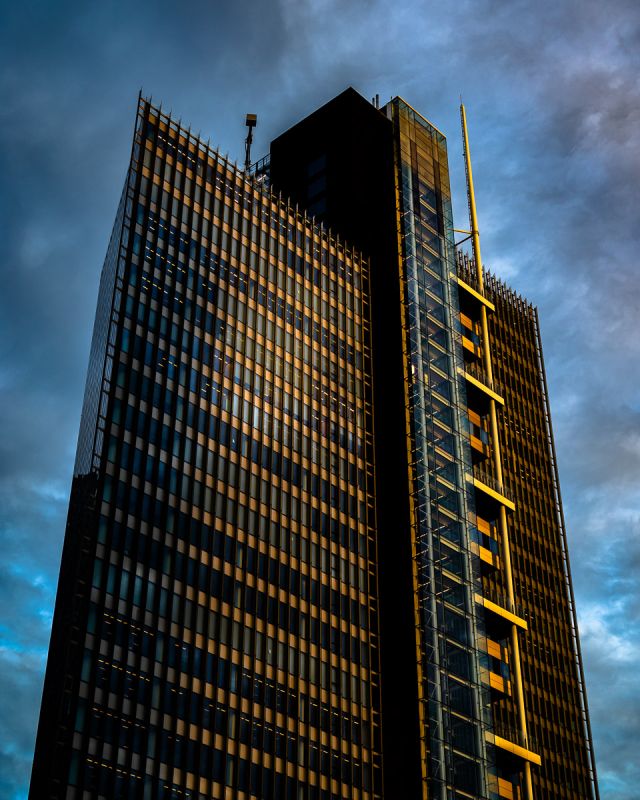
497 458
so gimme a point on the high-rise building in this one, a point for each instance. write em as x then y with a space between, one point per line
314 549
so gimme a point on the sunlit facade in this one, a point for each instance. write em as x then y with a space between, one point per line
223 608
314 551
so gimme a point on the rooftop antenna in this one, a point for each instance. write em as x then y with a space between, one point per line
251 120
471 197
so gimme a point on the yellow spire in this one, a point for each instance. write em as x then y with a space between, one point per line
471 197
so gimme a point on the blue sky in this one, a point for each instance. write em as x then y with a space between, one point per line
553 101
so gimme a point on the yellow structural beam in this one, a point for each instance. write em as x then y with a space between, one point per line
476 295
478 484
501 611
504 530
515 749
483 387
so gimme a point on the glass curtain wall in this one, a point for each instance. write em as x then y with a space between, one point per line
225 612
446 572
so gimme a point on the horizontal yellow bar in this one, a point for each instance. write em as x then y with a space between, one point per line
464 285
512 747
483 387
478 484
502 612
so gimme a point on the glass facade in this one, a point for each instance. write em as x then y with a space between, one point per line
446 573
228 629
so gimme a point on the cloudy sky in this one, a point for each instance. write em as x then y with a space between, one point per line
553 100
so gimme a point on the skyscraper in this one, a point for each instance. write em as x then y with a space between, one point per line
308 555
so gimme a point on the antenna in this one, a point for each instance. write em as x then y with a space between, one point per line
471 198
251 120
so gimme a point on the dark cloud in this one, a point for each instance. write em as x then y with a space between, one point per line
553 101
21 681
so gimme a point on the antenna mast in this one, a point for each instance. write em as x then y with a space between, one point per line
251 120
497 459
471 198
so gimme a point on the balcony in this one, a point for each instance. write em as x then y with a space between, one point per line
479 384
470 296
491 489
513 743
503 610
